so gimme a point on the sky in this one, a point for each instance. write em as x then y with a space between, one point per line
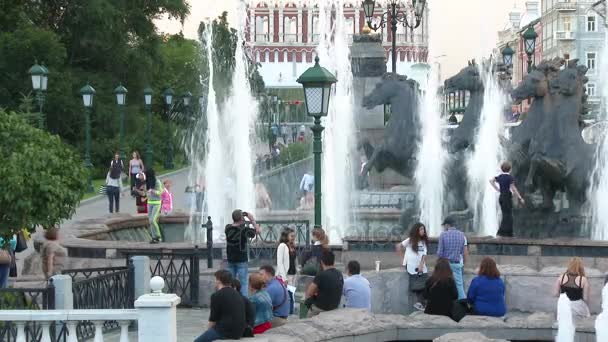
462 29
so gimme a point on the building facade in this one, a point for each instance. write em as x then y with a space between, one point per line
282 36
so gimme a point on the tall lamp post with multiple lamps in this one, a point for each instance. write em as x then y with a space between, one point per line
121 101
149 156
168 97
87 92
317 82
530 36
39 75
396 16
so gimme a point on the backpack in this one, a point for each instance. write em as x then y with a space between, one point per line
116 169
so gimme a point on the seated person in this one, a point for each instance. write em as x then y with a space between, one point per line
440 290
325 291
277 290
487 291
262 302
357 289
249 309
576 286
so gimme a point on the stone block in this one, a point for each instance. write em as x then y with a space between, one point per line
534 250
530 293
465 337
529 262
601 264
389 289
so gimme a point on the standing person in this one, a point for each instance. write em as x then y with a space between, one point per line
227 317
53 255
166 198
325 291
453 247
357 290
307 185
141 199
294 134
311 258
440 290
114 183
238 233
136 165
302 134
575 285
6 258
277 290
487 291
155 190
262 303
284 133
414 250
506 187
363 176
286 256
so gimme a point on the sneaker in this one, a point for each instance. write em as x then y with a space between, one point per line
419 307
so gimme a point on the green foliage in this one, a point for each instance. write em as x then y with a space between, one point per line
295 152
42 178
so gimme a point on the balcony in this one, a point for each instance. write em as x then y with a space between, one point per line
565 35
262 38
401 37
565 6
290 37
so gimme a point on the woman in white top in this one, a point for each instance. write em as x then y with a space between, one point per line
136 165
414 250
286 256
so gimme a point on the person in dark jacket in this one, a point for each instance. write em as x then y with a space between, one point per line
311 258
440 290
487 291
249 309
237 237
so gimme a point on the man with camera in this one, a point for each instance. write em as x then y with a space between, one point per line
238 234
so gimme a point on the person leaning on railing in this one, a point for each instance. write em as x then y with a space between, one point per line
53 255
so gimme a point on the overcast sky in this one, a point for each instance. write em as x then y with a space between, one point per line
462 29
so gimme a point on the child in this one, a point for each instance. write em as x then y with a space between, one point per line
141 201
166 198
506 187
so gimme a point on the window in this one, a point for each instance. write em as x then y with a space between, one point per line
591 60
591 23
567 24
590 89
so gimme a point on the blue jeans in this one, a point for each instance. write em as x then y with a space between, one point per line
4 271
458 278
240 270
209 335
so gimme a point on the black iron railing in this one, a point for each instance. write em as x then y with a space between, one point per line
26 299
271 231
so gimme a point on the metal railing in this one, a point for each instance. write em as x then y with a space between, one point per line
263 247
262 38
290 37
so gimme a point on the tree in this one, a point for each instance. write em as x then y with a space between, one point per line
43 179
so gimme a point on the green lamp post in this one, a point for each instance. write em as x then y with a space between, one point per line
39 75
87 92
530 36
149 156
168 96
507 56
317 82
121 101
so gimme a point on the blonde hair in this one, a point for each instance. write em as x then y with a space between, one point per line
575 267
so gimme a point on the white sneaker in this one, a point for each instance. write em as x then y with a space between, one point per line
418 306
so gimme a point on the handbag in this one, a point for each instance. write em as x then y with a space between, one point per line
21 242
460 308
5 257
13 269
418 281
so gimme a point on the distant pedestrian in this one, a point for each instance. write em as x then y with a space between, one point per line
238 233
414 250
114 183
357 290
440 290
52 253
506 187
307 185
294 134
260 299
136 165
141 195
363 175
325 291
279 295
453 247
155 190
7 255
166 198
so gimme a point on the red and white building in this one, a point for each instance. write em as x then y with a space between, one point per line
282 35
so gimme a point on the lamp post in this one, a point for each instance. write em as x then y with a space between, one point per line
148 92
186 99
39 75
530 44
507 56
168 96
317 82
397 16
87 92
121 101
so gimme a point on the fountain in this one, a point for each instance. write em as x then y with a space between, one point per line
484 160
565 322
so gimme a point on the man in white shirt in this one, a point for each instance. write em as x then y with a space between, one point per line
357 290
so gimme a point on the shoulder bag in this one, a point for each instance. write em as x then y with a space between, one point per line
5 257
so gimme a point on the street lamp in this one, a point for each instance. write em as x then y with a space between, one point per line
39 75
396 16
186 97
530 44
121 101
507 56
148 92
317 82
168 96
87 92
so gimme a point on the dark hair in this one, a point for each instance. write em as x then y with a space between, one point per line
236 284
442 271
505 166
415 237
237 215
488 268
606 280
51 233
328 258
268 269
150 178
137 154
285 236
224 277
354 267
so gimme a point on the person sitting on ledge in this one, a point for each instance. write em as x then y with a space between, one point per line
357 290
576 286
249 309
263 304
325 291
279 295
487 291
440 290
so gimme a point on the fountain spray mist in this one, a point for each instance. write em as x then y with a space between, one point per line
431 155
601 323
565 322
334 53
483 162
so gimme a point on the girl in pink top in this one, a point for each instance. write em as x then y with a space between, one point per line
166 198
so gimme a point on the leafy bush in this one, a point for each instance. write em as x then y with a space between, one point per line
295 152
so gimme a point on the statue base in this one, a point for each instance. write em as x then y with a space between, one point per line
542 224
